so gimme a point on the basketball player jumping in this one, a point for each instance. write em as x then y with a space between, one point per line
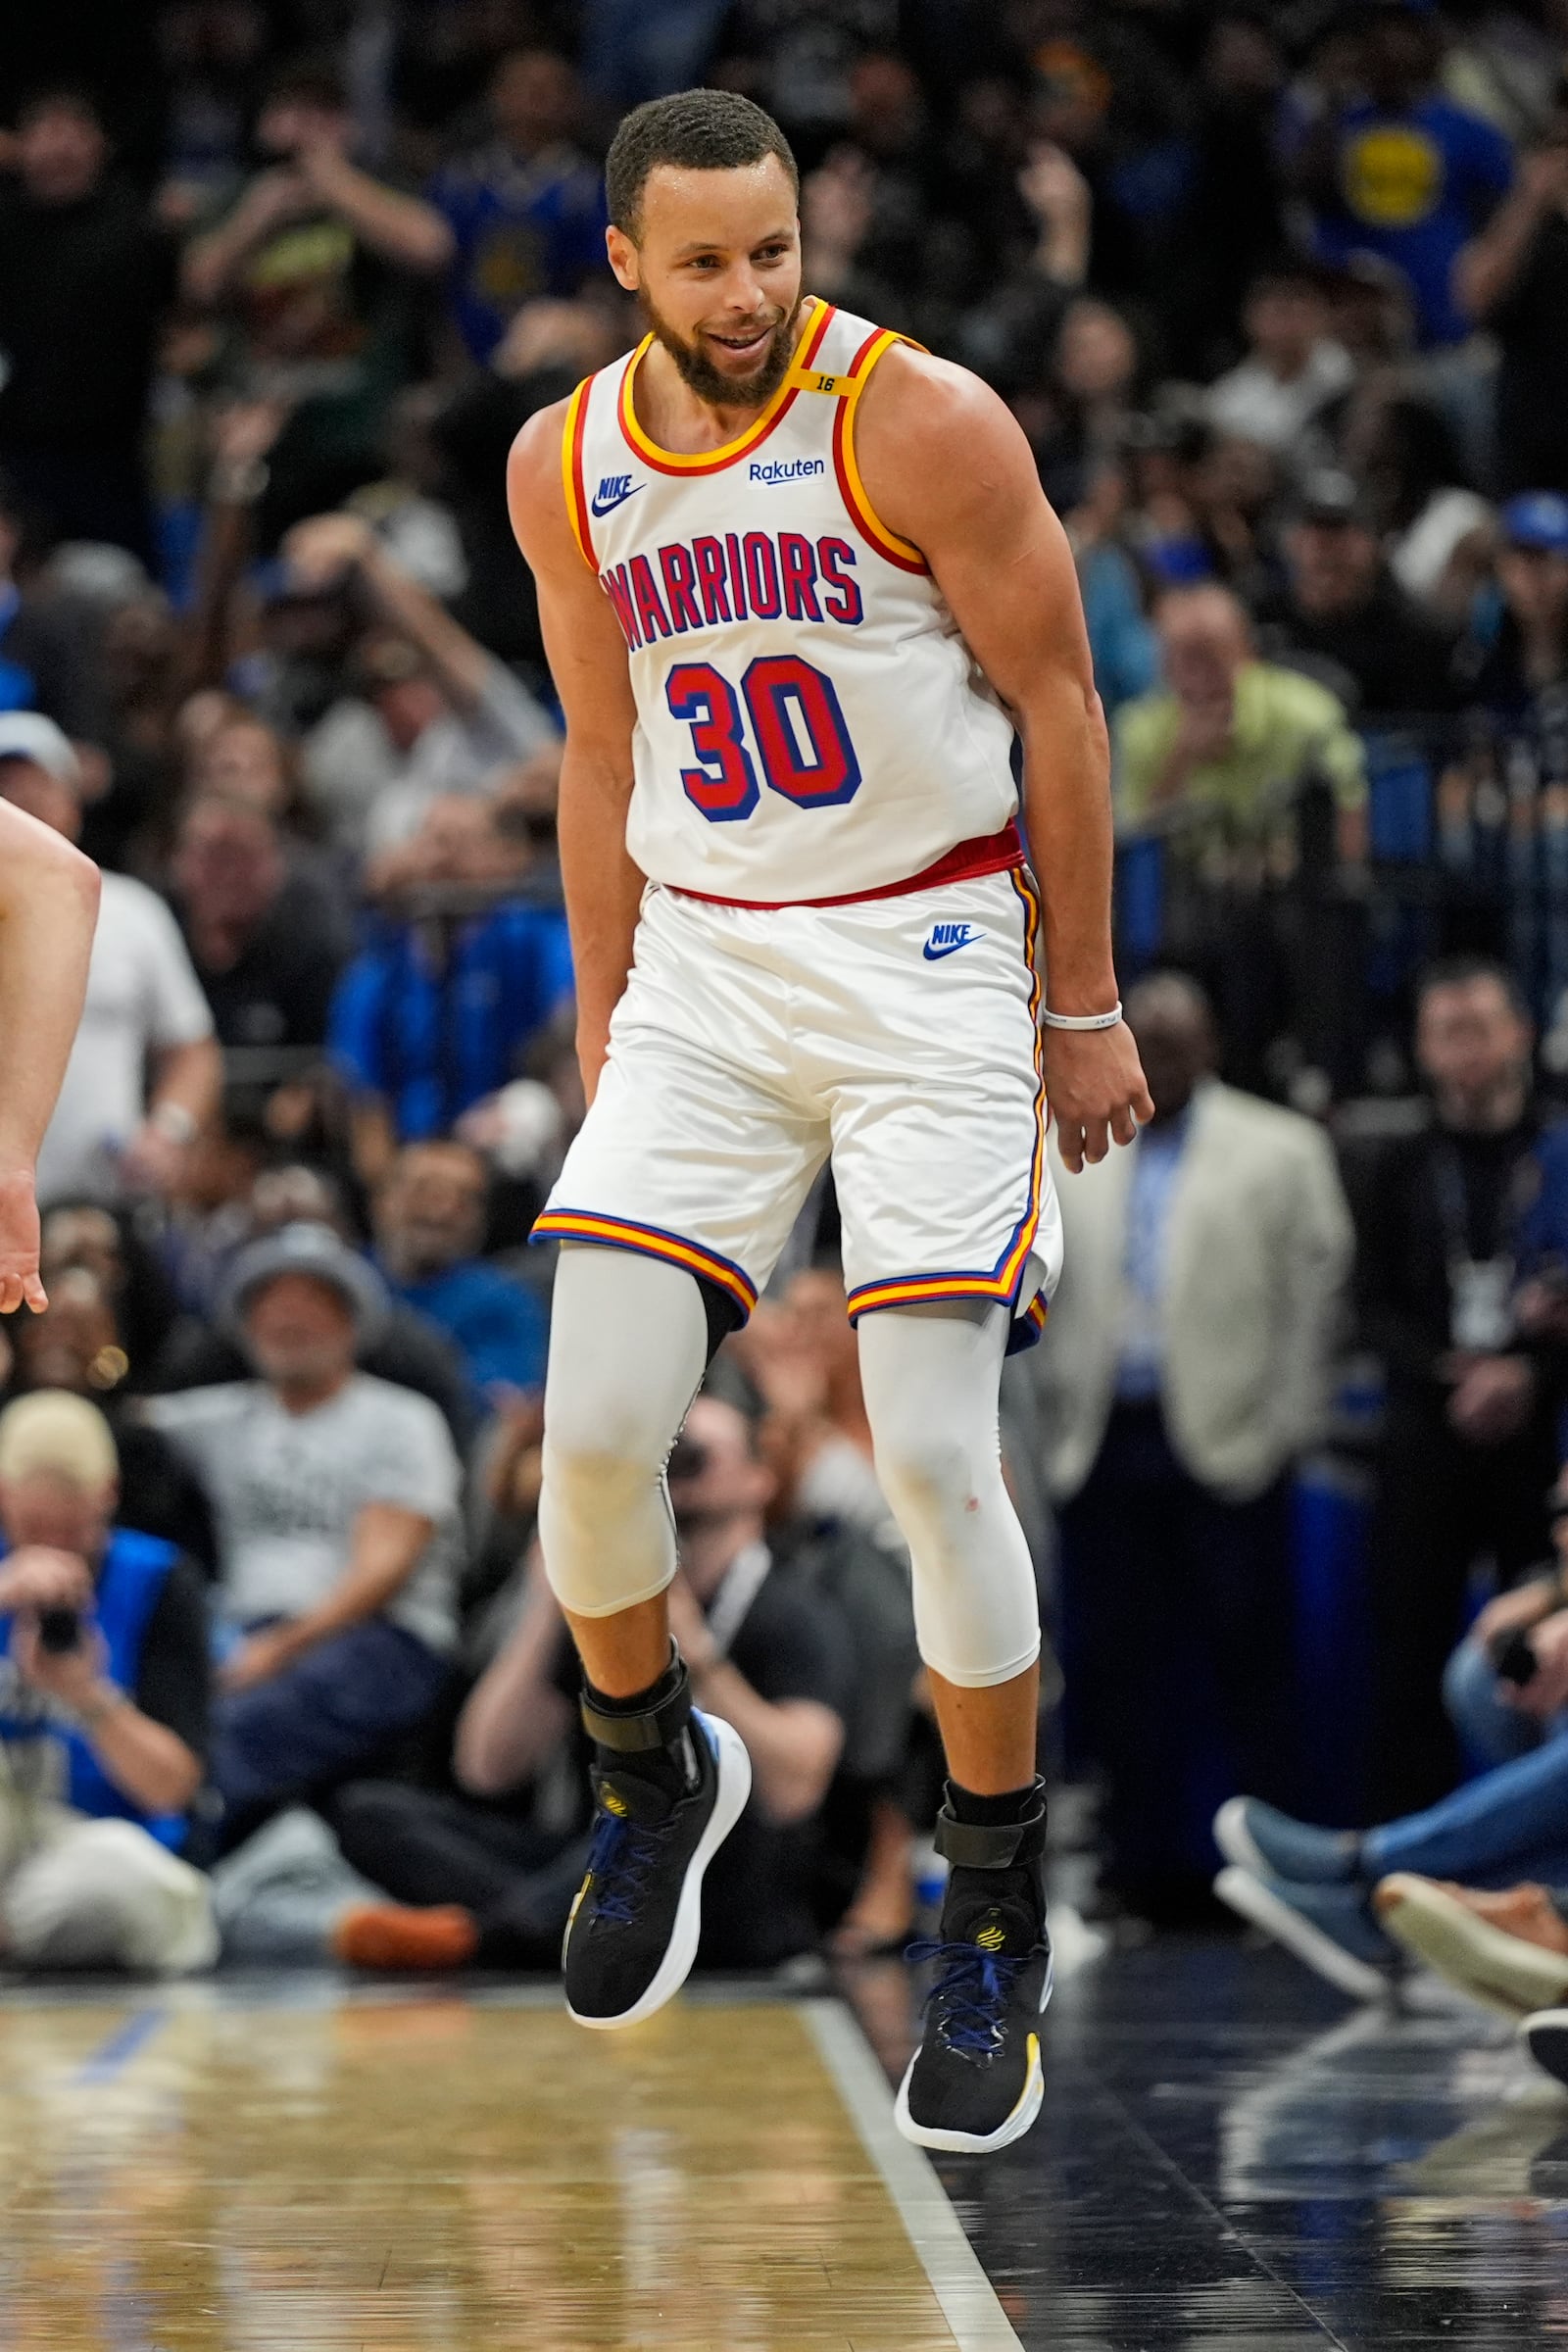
48 914
799 587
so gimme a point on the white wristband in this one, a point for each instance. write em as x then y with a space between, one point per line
1082 1020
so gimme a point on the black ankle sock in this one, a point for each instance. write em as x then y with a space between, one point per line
669 1767
995 1812
641 1702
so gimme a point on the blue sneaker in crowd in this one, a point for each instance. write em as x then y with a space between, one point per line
1267 1841
1332 1929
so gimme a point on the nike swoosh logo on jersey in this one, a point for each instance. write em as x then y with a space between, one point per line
947 938
613 492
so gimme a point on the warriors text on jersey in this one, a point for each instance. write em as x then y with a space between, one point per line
810 721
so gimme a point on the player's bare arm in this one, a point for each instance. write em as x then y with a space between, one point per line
587 657
946 468
48 914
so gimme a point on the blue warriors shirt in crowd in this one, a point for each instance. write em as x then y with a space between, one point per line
524 226
435 1023
1414 186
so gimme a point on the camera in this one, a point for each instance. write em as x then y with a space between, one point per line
59 1630
1513 1659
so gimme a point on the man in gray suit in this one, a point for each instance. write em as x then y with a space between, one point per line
1183 1371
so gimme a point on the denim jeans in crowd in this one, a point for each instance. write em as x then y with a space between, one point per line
1510 1823
1494 1731
326 1718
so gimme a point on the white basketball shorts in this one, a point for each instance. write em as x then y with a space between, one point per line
898 1035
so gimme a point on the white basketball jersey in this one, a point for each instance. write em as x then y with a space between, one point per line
810 723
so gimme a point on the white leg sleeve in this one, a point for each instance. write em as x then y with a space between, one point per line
628 1348
104 1894
932 1382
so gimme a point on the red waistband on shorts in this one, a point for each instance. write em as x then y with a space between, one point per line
965 862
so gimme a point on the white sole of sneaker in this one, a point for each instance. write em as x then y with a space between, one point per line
1546 2036
1236 1841
1502 1972
734 1787
1251 1900
970 2144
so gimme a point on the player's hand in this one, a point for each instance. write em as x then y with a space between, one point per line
19 1280
1096 1088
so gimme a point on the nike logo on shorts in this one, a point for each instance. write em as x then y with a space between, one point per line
947 938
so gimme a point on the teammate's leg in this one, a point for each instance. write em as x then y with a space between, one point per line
629 1342
932 1379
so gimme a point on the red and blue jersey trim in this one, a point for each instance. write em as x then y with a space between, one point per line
648 1241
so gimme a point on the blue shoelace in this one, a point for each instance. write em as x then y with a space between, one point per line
622 1857
971 1990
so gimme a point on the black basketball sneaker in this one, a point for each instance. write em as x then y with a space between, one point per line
632 1935
977 2080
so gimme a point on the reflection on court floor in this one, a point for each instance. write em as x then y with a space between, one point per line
425 2175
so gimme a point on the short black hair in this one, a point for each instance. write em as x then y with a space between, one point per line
696 130
1462 971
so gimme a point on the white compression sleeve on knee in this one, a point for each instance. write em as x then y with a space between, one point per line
931 1384
628 1348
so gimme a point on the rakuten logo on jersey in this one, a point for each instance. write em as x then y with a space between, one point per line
785 469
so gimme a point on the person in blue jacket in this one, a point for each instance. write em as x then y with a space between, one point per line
429 1217
104 1682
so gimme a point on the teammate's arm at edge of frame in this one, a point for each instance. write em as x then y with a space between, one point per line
48 914
587 657
946 468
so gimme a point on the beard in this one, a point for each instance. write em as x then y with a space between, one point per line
700 375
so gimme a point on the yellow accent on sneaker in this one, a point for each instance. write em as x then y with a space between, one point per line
992 1939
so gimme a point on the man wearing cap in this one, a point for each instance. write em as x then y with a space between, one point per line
103 1709
143 1003
337 1498
1345 615
1529 652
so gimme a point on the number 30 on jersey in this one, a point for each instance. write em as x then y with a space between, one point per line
801 745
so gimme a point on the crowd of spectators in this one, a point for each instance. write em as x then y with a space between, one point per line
1280 298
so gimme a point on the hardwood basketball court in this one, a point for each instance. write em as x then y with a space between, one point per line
193 2171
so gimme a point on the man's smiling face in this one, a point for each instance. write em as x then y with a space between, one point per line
717 267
